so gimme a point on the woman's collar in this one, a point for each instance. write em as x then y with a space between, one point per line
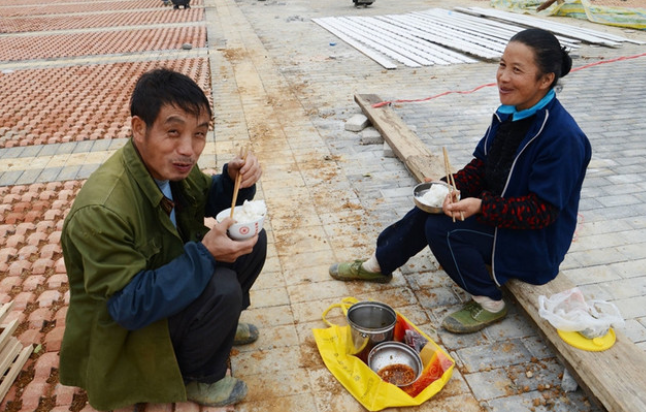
518 115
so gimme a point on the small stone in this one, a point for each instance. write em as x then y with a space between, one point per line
356 123
370 135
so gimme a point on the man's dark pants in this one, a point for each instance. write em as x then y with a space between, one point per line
203 333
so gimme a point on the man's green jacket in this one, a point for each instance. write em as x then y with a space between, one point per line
116 229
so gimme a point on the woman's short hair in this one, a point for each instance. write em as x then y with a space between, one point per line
550 56
161 87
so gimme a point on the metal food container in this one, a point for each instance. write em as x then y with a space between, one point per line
398 355
418 193
370 324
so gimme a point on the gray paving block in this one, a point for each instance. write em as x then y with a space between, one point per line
10 178
370 135
356 123
69 173
28 177
31 151
83 146
49 174
485 357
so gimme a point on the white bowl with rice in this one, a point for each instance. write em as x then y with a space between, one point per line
249 219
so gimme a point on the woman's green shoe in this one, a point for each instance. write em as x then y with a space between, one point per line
472 318
347 271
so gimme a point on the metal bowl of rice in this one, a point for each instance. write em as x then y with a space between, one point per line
429 196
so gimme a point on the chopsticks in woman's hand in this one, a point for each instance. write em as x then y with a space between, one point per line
450 180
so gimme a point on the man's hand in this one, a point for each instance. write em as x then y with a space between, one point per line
248 167
222 247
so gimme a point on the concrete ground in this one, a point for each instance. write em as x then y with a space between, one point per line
278 83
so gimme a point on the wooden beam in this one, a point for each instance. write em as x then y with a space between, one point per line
615 377
405 144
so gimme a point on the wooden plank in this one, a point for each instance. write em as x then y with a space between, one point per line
8 354
614 377
7 331
4 310
405 144
11 376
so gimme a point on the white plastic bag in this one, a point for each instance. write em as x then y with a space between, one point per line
568 311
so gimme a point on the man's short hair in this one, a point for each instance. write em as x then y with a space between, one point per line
161 87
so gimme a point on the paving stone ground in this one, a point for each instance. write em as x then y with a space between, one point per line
277 82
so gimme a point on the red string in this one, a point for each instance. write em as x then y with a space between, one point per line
380 104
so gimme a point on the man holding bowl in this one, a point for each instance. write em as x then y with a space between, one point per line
155 296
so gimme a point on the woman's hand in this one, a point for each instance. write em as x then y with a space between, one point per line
461 209
248 167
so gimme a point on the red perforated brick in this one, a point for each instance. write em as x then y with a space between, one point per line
59 267
44 365
29 196
30 337
33 216
7 253
45 226
32 282
32 393
36 237
21 300
41 266
53 214
10 282
25 227
21 207
27 252
55 281
14 217
49 250
15 240
48 297
54 237
18 267
64 394
7 230
54 338
11 198
40 205
38 317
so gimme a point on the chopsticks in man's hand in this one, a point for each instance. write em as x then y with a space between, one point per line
236 186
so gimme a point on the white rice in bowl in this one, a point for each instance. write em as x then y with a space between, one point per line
250 211
435 196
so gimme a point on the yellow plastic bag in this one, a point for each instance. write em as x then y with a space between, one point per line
335 346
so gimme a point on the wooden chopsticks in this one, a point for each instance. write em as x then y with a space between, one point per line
450 180
236 186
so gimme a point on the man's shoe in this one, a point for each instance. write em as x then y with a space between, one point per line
226 391
472 318
246 333
354 271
